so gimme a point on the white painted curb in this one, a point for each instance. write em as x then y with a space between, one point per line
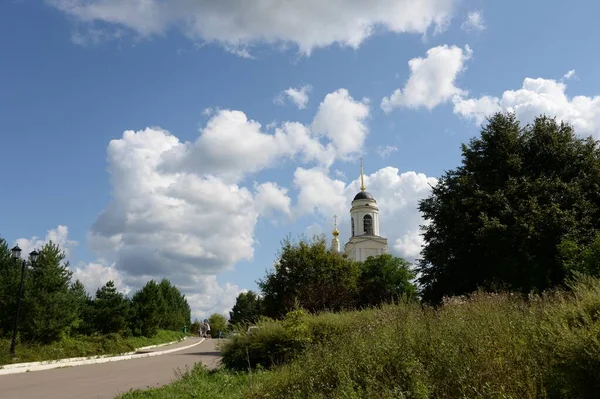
76 359
80 361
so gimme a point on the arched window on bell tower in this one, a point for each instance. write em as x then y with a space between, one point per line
352 223
368 224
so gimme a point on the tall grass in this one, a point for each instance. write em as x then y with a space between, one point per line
485 346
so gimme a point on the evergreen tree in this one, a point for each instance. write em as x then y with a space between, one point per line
84 307
176 311
149 307
49 309
111 310
9 288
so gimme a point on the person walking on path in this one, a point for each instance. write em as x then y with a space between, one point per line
206 329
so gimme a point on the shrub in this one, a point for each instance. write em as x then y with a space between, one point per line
276 342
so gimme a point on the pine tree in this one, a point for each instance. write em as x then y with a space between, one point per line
49 309
9 289
84 307
148 305
111 310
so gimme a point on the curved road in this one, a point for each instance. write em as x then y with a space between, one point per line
107 380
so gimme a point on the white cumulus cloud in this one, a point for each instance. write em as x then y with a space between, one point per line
535 97
95 274
232 146
298 96
432 79
208 297
59 236
184 210
343 120
238 24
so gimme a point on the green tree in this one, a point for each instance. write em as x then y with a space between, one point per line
149 306
84 307
497 220
195 327
385 278
111 310
247 308
175 312
217 323
49 309
9 289
310 275
579 259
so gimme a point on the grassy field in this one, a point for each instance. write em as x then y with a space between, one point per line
83 346
485 346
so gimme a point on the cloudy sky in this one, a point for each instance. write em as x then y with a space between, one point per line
185 139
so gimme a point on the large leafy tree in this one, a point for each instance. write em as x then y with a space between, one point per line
384 279
247 308
217 323
497 220
309 275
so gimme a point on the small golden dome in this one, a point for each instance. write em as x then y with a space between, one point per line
336 232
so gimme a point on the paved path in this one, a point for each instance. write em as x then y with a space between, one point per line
107 380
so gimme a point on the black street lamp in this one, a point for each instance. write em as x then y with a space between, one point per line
16 254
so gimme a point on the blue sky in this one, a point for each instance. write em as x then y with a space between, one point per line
209 214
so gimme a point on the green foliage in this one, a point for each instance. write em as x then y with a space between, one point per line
195 327
578 259
84 307
48 309
497 220
385 279
199 382
175 312
149 305
274 343
486 346
159 306
309 274
217 323
247 309
111 310
83 346
9 288
58 318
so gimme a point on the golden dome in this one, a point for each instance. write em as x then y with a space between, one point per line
336 232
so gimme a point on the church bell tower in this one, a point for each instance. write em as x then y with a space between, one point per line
365 240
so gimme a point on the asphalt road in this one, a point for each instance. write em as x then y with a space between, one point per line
107 380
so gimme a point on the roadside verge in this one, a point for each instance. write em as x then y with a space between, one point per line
80 361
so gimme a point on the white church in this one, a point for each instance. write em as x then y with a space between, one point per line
365 240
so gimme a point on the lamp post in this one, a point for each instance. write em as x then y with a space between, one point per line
16 254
